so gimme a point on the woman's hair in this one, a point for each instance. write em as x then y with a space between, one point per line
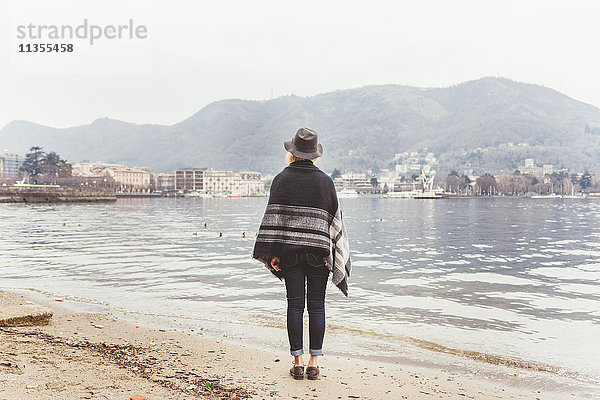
292 158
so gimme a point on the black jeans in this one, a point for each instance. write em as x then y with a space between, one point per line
305 271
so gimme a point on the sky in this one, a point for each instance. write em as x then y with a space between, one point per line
196 52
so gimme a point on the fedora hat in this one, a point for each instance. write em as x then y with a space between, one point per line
305 144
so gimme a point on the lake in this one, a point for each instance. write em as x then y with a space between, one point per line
516 278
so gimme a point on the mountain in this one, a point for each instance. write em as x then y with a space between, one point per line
360 129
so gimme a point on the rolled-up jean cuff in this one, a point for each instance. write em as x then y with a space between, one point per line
297 352
316 352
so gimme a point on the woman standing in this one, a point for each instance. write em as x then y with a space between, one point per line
302 239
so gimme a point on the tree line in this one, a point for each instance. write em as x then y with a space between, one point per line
520 184
38 163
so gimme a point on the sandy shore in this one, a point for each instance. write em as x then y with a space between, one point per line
98 356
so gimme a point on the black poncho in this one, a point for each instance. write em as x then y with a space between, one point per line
303 214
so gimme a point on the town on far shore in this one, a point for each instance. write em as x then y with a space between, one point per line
411 175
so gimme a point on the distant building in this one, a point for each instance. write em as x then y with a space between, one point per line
353 181
431 159
92 169
124 178
548 169
10 163
190 179
129 178
244 183
414 167
212 181
251 183
221 182
400 156
530 168
402 168
164 181
386 179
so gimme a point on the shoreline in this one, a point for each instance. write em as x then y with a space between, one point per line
171 363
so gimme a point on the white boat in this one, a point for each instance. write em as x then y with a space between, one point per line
407 194
429 194
199 194
347 193
23 184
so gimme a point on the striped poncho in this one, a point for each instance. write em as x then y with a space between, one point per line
303 215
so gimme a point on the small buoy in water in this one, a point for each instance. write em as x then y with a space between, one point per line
195 233
64 224
381 219
78 224
220 234
205 224
243 234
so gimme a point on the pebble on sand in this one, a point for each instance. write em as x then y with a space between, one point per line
137 397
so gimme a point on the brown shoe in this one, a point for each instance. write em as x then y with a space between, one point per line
312 373
297 371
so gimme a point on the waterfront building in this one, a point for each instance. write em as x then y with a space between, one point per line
251 183
92 169
386 180
164 181
128 178
221 182
353 181
190 179
124 178
10 163
243 183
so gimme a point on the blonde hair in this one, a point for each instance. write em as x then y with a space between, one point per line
292 158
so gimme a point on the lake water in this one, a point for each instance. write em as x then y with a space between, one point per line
517 278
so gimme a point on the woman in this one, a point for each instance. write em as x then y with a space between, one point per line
302 240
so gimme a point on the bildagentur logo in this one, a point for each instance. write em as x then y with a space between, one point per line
90 32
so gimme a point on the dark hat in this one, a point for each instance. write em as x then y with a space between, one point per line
305 144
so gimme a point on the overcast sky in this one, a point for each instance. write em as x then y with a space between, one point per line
197 52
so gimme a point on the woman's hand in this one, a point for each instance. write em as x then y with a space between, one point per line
275 263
